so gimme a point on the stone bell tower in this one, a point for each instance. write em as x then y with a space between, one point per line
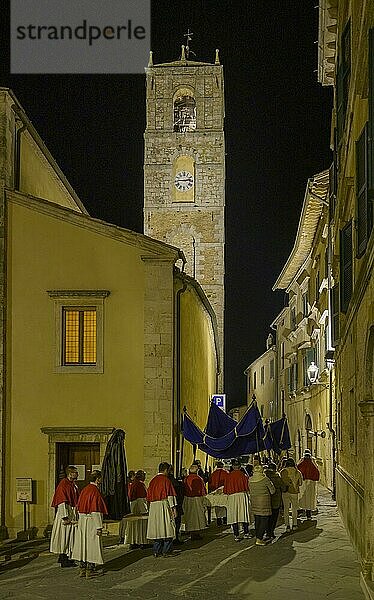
184 169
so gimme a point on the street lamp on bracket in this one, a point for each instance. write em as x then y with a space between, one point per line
313 373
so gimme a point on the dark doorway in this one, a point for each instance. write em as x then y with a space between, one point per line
82 455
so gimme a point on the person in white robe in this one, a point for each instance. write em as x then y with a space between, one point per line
308 491
64 501
195 503
162 512
88 548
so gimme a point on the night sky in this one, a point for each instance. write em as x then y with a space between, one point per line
277 130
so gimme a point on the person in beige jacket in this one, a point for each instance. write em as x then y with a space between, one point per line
293 479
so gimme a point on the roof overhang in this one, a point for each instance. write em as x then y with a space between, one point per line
315 199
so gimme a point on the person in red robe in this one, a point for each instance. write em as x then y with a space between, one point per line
162 512
308 490
136 530
65 501
217 480
238 506
194 503
88 549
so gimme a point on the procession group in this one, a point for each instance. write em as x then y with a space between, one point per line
239 496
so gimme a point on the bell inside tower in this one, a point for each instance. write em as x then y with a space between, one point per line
184 114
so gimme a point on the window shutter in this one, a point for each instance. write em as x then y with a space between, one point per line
346 266
296 376
362 191
335 315
371 132
333 185
340 108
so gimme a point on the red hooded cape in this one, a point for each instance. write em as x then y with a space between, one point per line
236 481
194 486
91 500
217 479
308 469
66 491
137 490
160 488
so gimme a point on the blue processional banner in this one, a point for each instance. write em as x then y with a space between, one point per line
245 437
278 435
218 423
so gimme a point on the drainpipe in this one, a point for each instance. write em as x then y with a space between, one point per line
17 147
333 437
177 417
331 350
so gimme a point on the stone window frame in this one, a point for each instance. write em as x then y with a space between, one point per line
80 299
73 435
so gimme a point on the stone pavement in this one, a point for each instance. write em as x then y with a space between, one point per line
316 562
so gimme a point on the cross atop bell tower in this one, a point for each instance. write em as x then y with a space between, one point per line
184 167
188 51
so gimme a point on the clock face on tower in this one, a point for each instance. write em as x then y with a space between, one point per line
183 181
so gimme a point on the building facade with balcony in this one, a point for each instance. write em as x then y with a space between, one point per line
303 338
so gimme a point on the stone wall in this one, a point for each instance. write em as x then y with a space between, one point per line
197 227
158 363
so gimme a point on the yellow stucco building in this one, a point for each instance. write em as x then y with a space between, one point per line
261 381
101 329
346 62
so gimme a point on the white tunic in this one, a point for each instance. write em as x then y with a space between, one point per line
136 531
308 495
88 546
161 524
62 537
218 501
194 512
238 508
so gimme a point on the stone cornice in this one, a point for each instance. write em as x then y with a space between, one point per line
367 408
78 293
120 234
76 430
312 211
327 41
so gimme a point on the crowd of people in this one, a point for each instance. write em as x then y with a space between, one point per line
239 496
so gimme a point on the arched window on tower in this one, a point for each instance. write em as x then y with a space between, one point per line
184 111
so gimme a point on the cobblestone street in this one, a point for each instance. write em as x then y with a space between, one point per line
315 562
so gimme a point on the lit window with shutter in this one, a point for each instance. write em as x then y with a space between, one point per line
79 332
79 336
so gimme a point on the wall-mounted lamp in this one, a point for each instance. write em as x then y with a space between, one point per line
321 434
313 372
